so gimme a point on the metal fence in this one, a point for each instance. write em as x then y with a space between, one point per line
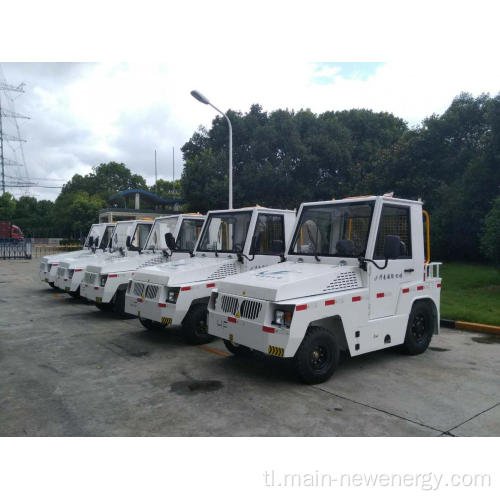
16 250
40 250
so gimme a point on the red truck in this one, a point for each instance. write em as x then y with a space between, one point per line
9 231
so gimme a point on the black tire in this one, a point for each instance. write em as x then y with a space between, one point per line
75 294
151 325
421 327
195 325
106 307
119 303
237 349
51 283
317 357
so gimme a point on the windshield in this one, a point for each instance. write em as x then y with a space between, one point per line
333 230
106 237
225 232
95 231
120 235
188 234
161 227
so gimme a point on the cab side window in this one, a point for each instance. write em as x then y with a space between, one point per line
394 221
269 236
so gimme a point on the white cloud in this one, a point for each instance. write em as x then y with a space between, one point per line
86 114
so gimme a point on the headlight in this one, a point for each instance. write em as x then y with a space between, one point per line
172 294
283 317
104 278
213 299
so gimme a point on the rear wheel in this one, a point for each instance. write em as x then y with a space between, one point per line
195 326
76 293
51 283
317 357
151 325
421 326
236 349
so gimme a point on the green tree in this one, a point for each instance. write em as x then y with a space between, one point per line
490 240
7 207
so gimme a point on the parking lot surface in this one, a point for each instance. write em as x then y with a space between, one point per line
68 369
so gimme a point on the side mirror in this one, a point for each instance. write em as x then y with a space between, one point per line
392 247
91 241
170 241
128 242
96 242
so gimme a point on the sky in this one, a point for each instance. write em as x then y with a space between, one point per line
83 114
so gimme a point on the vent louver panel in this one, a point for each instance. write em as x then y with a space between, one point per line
223 271
344 281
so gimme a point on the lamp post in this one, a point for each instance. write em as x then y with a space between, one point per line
200 97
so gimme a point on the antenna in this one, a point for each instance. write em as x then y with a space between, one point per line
19 180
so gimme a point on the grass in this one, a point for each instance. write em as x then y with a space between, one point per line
470 292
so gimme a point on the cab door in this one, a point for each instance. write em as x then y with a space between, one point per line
385 285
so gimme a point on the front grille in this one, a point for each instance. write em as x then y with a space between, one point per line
151 291
250 309
90 278
138 288
229 304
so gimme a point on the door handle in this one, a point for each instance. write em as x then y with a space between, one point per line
409 270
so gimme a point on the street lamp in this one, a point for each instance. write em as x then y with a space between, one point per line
200 97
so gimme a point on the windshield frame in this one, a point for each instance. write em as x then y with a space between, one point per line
188 219
159 245
222 214
299 223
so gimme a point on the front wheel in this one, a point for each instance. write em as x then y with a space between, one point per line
195 326
317 357
119 303
75 294
421 326
51 283
151 325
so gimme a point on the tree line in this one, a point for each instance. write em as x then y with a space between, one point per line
284 157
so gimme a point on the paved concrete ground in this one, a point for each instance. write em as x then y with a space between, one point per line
68 369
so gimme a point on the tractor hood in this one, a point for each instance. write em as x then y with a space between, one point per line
132 261
291 280
50 259
189 270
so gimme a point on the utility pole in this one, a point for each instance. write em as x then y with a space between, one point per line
156 176
5 113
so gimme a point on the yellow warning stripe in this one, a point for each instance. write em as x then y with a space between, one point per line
166 321
276 351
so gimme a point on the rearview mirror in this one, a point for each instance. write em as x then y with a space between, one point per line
170 241
128 242
392 247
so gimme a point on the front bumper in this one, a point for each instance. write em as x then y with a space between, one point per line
93 293
250 333
162 312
